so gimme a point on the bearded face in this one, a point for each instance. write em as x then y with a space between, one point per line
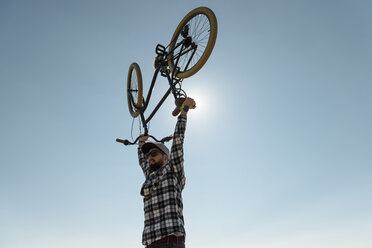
156 166
156 159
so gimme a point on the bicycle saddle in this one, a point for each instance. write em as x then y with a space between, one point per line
178 103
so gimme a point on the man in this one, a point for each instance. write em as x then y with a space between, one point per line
162 190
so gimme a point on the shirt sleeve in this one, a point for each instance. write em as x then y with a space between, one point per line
144 164
176 156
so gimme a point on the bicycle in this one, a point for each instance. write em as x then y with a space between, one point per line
189 49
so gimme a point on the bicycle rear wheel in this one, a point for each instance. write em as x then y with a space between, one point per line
134 89
197 32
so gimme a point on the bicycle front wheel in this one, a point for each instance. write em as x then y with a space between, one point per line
134 89
192 42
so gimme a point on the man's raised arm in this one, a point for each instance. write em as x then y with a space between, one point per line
142 158
176 156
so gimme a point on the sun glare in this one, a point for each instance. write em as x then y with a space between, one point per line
204 101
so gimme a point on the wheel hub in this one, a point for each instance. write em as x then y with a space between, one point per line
188 41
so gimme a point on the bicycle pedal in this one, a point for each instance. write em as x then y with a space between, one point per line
160 50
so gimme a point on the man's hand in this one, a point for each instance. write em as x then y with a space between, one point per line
189 103
142 140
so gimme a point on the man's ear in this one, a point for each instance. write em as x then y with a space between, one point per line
166 158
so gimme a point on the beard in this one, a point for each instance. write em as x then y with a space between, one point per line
155 166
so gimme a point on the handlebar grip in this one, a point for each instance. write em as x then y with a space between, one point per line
125 142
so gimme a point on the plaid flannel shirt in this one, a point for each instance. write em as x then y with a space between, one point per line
162 191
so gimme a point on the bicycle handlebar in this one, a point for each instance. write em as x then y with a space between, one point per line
127 142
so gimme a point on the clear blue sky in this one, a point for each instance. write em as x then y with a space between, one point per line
278 152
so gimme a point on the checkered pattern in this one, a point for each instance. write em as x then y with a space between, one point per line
162 191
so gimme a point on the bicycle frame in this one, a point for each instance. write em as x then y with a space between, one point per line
142 109
173 81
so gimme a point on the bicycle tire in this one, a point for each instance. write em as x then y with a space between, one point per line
193 16
134 86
